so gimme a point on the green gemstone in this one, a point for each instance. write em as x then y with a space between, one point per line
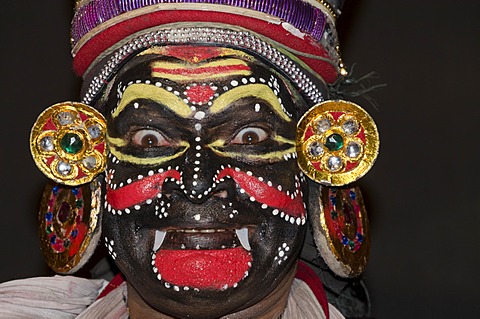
334 214
351 244
79 203
49 229
334 142
71 143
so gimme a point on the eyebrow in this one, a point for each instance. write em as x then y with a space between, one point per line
154 93
260 91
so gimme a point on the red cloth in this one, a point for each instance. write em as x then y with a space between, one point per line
307 275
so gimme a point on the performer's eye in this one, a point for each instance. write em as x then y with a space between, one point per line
149 138
250 135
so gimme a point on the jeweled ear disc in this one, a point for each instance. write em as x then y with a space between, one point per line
69 224
67 143
341 231
337 143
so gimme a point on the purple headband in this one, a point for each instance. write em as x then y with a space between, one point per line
304 16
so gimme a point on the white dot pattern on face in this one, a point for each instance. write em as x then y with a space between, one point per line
109 244
199 116
282 253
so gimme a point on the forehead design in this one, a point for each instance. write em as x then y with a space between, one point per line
197 72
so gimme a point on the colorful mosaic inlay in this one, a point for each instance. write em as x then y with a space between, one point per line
64 224
345 225
68 224
344 214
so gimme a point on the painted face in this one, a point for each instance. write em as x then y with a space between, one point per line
205 211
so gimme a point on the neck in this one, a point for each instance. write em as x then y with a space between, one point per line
271 307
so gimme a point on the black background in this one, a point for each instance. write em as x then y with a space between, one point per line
423 195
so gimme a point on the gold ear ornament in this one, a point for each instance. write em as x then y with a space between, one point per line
69 220
337 143
67 143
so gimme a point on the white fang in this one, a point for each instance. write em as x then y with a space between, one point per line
242 235
159 237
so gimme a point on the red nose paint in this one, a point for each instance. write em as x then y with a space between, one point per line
203 269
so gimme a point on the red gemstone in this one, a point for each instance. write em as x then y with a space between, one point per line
64 212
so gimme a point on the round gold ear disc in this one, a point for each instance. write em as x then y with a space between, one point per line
67 143
337 143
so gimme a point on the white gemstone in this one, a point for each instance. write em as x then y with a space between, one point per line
323 125
334 163
94 131
90 162
64 168
315 148
46 143
350 126
353 149
65 118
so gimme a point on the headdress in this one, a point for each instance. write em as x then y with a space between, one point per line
337 141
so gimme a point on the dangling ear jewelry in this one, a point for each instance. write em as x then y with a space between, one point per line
67 143
337 143
70 224
340 228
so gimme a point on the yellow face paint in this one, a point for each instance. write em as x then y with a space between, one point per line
270 157
157 94
197 54
117 142
260 91
184 72
147 160
217 145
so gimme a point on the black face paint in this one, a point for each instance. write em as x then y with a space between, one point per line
205 211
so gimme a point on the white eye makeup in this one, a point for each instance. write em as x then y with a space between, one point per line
149 138
250 135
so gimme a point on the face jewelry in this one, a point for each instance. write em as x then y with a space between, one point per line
69 224
67 143
337 143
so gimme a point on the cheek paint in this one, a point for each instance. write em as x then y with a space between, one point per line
265 194
139 191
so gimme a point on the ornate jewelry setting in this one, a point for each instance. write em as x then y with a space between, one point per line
69 224
68 143
337 143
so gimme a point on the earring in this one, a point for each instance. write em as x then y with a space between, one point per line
67 143
340 227
337 143
69 224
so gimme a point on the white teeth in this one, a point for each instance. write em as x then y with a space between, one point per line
242 235
159 237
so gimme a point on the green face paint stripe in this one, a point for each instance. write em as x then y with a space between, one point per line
268 156
149 160
159 95
260 91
